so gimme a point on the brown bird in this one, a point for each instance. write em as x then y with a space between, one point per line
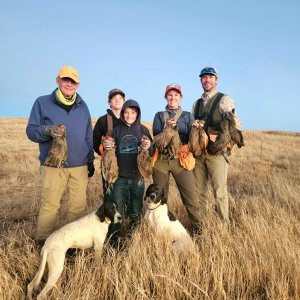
198 139
162 140
236 134
228 137
175 143
58 152
144 161
109 167
168 139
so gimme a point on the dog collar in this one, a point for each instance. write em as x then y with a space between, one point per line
155 207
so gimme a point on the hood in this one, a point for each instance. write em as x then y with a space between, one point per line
131 103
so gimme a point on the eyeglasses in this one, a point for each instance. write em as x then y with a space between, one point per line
208 70
66 80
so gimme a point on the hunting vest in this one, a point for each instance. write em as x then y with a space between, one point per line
209 112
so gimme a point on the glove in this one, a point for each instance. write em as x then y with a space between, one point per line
145 144
91 169
108 143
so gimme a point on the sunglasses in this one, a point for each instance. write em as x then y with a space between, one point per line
208 70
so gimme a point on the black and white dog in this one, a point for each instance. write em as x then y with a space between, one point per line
89 231
163 221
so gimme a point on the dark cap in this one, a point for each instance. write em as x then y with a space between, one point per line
115 92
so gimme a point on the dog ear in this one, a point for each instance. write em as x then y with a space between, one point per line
100 213
163 197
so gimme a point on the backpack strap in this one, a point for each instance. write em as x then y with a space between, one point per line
109 124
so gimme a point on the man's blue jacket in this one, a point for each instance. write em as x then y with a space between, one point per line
46 111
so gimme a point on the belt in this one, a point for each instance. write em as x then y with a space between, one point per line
166 157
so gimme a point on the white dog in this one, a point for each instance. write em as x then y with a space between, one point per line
89 231
163 221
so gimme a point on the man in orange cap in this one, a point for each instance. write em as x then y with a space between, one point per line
62 106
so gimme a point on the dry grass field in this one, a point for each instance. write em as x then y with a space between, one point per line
256 257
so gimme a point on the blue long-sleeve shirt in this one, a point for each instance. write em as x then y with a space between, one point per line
79 134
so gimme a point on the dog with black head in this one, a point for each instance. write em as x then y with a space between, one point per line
89 231
163 221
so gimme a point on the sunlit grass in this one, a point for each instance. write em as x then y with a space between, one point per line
256 257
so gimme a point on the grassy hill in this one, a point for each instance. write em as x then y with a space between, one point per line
256 257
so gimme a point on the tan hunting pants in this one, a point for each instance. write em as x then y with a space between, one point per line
214 167
54 182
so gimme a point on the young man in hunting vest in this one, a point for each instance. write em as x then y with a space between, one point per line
106 123
210 108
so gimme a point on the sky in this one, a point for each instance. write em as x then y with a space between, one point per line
142 46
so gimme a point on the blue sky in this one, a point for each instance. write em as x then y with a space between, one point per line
141 46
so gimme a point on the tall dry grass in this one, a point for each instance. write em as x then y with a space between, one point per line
256 257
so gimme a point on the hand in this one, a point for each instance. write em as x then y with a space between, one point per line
56 130
108 143
198 123
171 121
91 169
145 144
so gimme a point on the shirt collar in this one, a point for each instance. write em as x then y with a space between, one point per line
209 96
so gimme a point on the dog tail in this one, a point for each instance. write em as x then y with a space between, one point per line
41 270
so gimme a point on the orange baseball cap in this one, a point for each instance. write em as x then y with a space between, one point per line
69 72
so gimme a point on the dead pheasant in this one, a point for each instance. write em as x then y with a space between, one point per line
109 166
162 140
228 137
198 139
58 152
168 138
175 143
144 161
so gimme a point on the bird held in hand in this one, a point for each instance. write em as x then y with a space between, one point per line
198 139
109 165
144 161
58 152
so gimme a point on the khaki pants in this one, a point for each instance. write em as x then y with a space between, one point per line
186 185
54 182
214 167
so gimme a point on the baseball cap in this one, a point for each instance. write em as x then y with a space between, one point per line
115 92
69 72
209 70
173 86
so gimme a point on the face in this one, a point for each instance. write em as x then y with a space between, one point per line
116 102
154 196
209 82
67 86
130 115
173 98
